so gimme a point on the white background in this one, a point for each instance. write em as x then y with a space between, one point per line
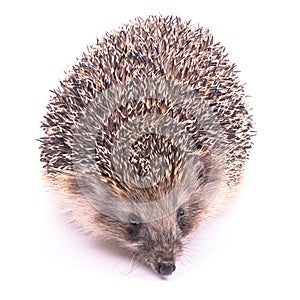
250 252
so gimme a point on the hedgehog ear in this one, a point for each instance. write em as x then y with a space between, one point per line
190 174
198 169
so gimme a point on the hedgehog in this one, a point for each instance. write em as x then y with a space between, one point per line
147 136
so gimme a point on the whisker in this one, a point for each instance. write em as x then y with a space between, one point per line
132 266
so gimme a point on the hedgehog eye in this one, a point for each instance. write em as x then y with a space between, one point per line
182 222
180 214
134 225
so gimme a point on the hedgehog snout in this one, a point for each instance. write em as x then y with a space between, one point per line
165 267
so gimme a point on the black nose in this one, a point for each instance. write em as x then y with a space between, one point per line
165 267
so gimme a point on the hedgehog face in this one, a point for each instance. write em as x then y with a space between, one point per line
159 243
